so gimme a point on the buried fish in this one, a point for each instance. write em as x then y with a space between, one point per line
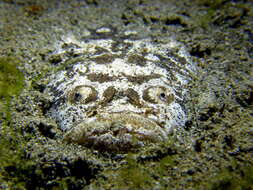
120 93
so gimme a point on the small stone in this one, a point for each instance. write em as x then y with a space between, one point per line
55 59
103 30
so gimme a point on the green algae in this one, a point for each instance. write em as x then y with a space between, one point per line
11 82
133 175
212 6
241 179
11 79
145 169
13 164
213 3
15 169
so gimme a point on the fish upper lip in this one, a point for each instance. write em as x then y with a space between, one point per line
125 117
118 116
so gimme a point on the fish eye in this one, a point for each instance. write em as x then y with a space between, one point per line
82 94
162 96
158 95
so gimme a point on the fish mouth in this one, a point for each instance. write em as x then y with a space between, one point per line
117 132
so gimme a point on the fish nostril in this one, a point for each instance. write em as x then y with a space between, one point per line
120 94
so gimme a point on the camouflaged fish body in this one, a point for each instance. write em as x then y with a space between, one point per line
120 93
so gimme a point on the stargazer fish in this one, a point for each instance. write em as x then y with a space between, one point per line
119 92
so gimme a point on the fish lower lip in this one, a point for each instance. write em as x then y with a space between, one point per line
116 131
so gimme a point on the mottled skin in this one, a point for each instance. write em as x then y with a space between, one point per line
120 94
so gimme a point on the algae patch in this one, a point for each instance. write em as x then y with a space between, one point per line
11 82
13 165
11 79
